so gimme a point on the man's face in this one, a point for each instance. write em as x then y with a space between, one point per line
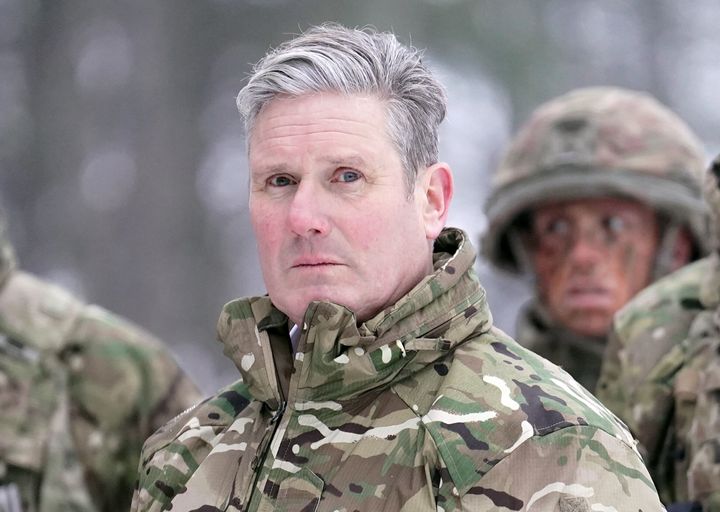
590 257
330 208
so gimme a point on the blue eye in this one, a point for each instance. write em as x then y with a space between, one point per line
614 224
280 180
559 227
348 176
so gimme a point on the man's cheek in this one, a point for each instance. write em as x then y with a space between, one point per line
549 268
551 284
634 268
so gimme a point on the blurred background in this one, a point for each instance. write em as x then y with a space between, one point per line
122 157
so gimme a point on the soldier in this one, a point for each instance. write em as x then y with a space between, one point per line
372 377
80 390
661 375
598 195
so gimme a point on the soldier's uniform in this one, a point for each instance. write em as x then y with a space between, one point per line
80 390
426 406
590 143
662 374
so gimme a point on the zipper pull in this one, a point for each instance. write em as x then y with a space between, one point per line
280 411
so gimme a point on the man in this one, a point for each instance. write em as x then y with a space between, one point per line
372 378
661 374
598 195
80 390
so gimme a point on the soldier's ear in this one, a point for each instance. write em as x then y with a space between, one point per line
435 186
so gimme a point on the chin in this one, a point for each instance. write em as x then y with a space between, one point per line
592 325
303 304
593 330
594 333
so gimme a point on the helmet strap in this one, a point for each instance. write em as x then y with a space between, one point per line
665 254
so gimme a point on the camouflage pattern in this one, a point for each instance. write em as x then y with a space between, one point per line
580 356
426 406
704 430
661 374
704 472
649 377
80 390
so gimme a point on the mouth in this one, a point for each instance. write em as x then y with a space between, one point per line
589 297
316 265
314 262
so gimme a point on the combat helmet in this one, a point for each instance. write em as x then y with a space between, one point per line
598 142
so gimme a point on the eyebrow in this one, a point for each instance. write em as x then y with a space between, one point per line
351 160
272 169
339 160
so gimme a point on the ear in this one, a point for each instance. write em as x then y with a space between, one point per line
682 251
436 188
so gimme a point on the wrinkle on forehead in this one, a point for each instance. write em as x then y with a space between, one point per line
302 117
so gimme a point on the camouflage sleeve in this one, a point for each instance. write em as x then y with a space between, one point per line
573 469
113 351
609 390
645 380
645 331
704 471
644 402
124 384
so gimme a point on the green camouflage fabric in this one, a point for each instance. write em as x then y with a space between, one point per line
580 356
651 374
661 374
704 435
426 406
704 431
597 142
80 390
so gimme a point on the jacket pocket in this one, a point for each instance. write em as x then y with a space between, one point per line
300 492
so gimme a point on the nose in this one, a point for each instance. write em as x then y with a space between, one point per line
308 216
586 248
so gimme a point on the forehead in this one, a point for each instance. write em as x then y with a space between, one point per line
317 118
593 206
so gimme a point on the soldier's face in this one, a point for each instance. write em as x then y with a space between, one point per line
590 257
332 214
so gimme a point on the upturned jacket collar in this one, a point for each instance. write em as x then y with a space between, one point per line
336 358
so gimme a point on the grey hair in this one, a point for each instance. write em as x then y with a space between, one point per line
334 58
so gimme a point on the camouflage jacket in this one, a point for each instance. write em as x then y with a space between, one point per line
426 406
80 390
580 356
704 430
661 341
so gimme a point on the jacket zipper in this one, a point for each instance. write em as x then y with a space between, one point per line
267 437
266 441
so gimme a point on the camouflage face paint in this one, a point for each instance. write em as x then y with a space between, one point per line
590 257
